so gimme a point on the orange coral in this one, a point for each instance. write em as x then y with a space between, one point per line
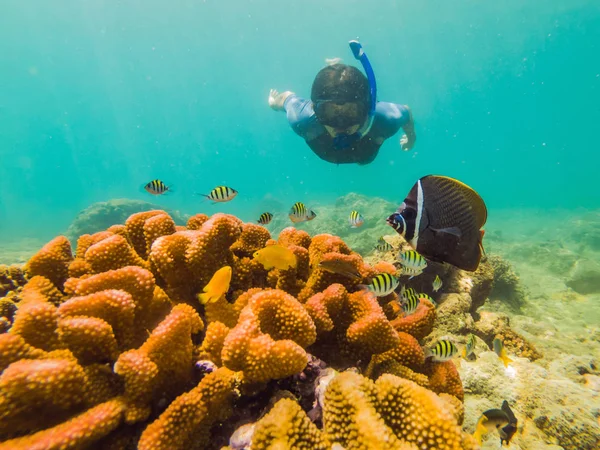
407 352
357 318
213 342
418 324
135 230
52 261
35 321
111 253
196 221
268 341
28 393
293 236
444 378
253 238
155 227
89 338
115 307
79 432
164 361
14 348
40 288
186 422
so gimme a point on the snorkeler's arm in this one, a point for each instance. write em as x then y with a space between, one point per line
277 100
407 142
392 117
302 118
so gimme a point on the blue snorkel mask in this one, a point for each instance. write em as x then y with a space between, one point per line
343 141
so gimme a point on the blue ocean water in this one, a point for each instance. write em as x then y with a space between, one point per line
98 97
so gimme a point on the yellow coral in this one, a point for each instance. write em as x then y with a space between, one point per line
286 426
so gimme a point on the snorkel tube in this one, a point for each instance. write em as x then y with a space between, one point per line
342 141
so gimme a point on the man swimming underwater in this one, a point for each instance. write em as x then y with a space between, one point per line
343 122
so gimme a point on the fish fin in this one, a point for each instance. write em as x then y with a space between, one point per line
506 360
506 408
203 298
479 431
455 231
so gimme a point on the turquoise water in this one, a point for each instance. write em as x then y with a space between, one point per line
99 97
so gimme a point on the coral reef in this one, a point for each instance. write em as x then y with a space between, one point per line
507 285
102 215
109 347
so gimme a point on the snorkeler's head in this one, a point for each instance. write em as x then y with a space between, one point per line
341 96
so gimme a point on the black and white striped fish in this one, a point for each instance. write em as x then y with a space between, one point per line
412 262
442 218
265 218
469 346
300 213
383 284
443 350
156 187
356 220
221 194
428 297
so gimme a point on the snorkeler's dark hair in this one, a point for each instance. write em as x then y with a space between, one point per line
340 83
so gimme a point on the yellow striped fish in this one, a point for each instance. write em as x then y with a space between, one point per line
383 245
437 283
156 187
300 213
428 297
410 305
383 284
265 218
221 194
469 346
443 350
356 220
412 263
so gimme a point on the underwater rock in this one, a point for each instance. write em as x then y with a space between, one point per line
585 277
100 216
537 397
452 317
507 285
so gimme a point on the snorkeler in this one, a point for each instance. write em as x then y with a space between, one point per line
343 122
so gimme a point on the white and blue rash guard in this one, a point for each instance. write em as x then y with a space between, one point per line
388 119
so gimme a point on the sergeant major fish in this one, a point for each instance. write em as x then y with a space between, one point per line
156 187
355 219
221 194
300 213
382 285
265 218
443 350
412 263
437 283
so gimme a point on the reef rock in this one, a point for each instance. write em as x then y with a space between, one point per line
100 216
537 396
585 277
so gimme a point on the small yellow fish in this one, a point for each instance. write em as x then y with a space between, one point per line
501 352
276 256
217 287
437 283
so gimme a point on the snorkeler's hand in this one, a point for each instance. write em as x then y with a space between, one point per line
407 142
276 99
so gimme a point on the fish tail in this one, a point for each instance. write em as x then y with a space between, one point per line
506 360
203 298
363 287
